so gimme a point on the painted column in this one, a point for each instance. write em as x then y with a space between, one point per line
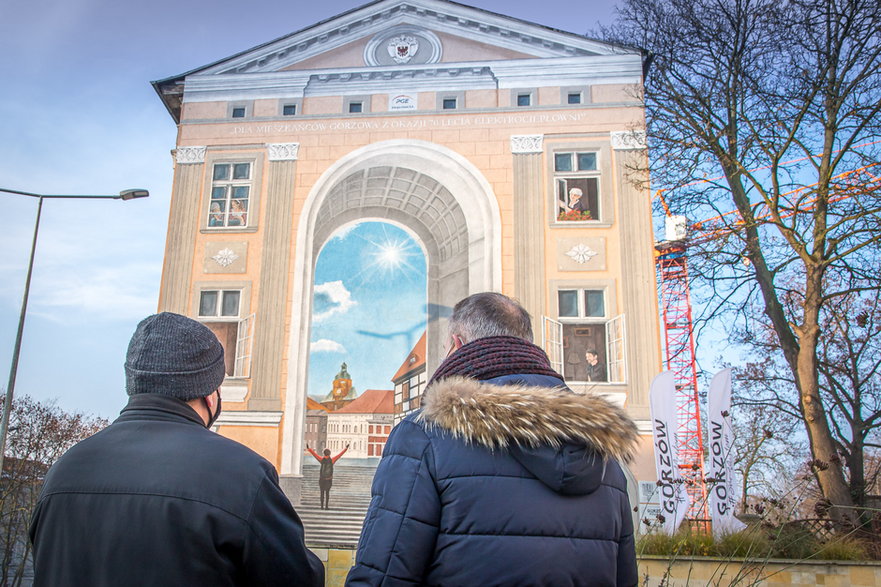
638 282
529 223
269 326
183 225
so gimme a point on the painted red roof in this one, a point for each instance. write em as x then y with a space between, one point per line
311 404
414 360
372 401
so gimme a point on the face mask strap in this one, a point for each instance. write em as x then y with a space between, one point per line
212 418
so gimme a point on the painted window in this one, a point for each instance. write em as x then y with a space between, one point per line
356 107
524 99
238 112
573 98
450 103
577 186
230 195
289 110
583 342
220 311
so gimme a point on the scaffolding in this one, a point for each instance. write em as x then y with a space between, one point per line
675 298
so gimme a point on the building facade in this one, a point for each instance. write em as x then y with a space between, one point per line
506 148
363 425
410 381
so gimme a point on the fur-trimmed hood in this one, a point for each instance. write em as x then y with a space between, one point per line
562 437
504 415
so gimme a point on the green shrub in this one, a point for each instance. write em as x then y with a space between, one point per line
790 541
751 543
793 541
846 549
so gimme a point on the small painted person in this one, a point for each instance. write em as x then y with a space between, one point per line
596 371
325 474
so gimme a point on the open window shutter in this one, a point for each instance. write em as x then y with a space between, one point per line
244 340
615 349
552 341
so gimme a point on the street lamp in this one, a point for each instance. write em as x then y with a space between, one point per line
7 404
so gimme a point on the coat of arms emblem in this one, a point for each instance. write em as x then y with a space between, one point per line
402 48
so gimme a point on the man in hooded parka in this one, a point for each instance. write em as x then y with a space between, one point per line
505 477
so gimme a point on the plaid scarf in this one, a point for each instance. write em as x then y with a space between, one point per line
494 356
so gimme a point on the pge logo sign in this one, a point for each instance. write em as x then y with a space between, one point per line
398 102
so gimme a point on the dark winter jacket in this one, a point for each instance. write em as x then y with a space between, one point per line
502 485
156 499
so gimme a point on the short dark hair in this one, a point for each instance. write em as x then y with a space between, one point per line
490 314
327 452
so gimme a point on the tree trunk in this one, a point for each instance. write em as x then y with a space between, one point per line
827 465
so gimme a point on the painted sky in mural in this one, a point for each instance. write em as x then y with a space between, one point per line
369 306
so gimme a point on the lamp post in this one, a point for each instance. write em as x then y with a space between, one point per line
7 403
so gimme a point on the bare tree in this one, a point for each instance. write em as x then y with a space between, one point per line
39 433
765 453
768 103
849 366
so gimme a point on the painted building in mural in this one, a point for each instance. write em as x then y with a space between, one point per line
410 381
505 148
364 425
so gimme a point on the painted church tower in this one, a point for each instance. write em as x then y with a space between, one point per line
505 148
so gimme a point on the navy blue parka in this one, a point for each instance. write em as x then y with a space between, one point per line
509 481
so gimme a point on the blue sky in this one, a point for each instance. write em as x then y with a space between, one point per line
80 117
369 306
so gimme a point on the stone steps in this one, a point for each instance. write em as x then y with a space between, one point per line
349 499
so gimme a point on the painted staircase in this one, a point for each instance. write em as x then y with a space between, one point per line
349 498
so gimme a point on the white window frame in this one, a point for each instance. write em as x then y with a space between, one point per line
229 186
244 325
244 347
217 316
577 174
255 160
614 334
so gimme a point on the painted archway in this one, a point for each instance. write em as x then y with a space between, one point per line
429 189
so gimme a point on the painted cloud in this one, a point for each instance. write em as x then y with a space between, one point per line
331 298
325 345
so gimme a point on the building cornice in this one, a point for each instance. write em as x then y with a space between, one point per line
565 71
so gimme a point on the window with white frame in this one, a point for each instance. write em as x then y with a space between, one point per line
576 179
219 310
584 342
230 195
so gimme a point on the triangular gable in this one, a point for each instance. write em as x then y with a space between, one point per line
506 36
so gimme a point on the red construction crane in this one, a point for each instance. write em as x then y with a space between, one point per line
671 261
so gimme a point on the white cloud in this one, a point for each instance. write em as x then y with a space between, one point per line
331 298
344 231
325 345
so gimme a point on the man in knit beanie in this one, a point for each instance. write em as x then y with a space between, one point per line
157 498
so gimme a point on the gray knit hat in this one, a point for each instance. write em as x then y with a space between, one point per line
170 354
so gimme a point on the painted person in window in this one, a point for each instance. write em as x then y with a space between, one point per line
325 474
505 476
238 216
215 217
596 371
576 200
157 498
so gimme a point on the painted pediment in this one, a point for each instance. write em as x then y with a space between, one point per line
407 45
427 40
409 33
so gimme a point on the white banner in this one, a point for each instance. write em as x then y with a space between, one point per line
721 488
672 494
